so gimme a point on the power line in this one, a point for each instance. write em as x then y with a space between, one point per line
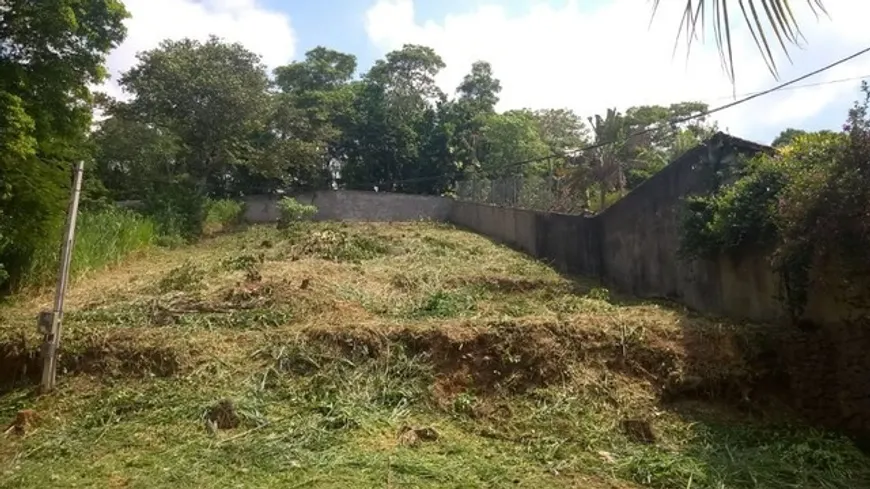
798 87
672 123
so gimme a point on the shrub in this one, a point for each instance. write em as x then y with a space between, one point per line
809 204
221 215
292 211
179 208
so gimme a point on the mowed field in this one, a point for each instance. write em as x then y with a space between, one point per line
376 355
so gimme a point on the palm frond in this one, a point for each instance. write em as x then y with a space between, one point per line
763 18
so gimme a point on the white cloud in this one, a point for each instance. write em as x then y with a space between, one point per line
589 59
263 31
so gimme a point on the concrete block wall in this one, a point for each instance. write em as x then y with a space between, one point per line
351 205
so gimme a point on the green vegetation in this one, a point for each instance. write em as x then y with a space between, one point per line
222 215
446 361
103 237
52 52
204 122
292 212
807 203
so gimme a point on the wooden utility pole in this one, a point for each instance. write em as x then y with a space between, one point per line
50 323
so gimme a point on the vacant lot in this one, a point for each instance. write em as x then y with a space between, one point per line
391 356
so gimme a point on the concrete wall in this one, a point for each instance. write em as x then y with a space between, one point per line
640 244
350 205
633 247
569 243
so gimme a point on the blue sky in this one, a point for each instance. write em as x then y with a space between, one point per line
579 54
338 23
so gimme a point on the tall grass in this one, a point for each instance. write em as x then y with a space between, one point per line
103 237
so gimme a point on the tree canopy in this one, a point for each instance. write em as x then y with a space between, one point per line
206 120
51 52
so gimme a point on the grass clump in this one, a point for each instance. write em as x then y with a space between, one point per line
222 215
103 237
186 277
444 304
340 245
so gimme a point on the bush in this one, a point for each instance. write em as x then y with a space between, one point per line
292 211
222 215
179 209
32 200
807 204
102 238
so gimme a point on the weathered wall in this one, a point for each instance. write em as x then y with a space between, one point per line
350 205
829 374
640 244
569 243
633 247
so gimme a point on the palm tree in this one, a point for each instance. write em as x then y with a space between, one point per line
602 164
762 17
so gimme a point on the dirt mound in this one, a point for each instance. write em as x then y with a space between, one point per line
514 357
511 285
504 358
122 353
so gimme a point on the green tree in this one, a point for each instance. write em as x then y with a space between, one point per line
211 96
479 89
512 139
562 129
787 136
408 77
603 164
309 114
322 69
477 97
51 53
391 117
132 158
663 139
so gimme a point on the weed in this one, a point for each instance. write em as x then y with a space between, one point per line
339 245
185 277
103 238
444 304
221 215
598 294
247 263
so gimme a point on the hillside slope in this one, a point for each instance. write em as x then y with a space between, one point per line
411 355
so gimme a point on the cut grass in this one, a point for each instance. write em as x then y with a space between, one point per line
328 357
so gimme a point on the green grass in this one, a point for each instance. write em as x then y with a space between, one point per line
329 349
102 238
